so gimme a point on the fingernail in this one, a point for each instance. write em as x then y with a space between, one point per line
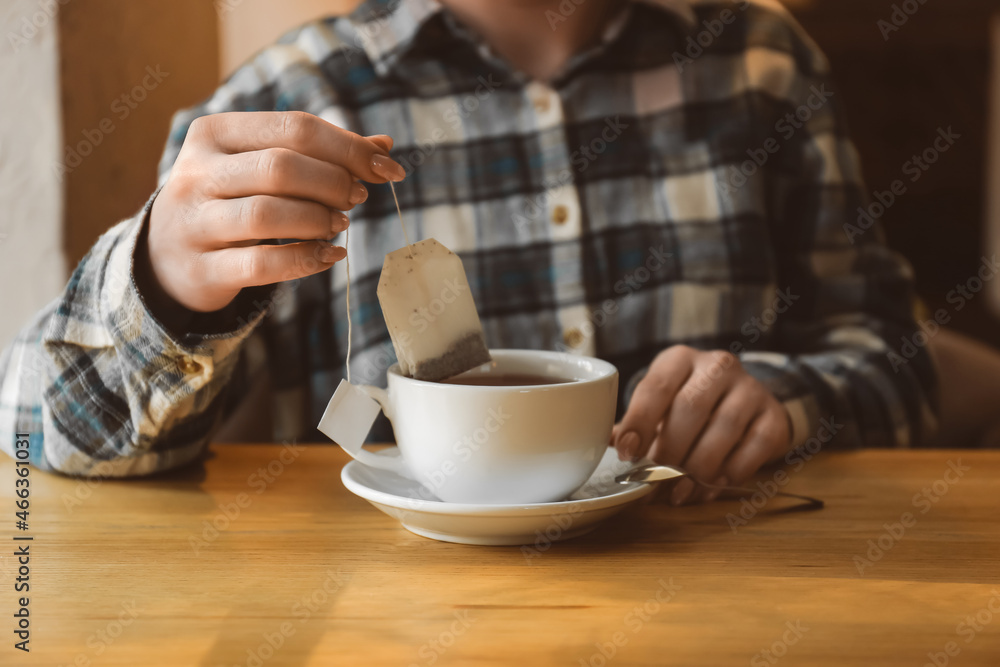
386 168
331 253
714 493
340 222
681 492
628 446
359 194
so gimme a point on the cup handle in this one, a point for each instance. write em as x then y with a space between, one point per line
348 419
380 396
392 462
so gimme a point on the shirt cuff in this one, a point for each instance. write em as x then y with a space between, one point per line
772 370
178 363
631 385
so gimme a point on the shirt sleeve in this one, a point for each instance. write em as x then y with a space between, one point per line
101 387
835 355
98 383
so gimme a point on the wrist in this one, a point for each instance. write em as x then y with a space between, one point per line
175 318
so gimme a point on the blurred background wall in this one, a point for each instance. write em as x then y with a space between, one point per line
252 24
899 86
32 266
126 67
993 177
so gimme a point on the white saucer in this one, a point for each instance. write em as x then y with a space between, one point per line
421 513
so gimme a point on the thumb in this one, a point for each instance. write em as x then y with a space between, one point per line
383 141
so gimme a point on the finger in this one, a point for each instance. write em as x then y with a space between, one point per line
682 491
384 141
663 490
264 217
300 132
650 400
281 172
723 434
765 440
693 407
236 268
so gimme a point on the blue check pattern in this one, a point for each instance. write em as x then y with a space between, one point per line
687 180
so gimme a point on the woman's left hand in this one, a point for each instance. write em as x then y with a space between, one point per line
703 411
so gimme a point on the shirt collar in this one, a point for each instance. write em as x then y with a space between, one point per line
388 29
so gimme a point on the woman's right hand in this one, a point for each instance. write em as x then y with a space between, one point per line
242 178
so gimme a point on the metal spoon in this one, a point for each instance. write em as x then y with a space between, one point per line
648 473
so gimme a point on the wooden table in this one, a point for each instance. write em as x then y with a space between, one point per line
133 573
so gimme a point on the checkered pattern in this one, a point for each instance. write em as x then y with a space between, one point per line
605 214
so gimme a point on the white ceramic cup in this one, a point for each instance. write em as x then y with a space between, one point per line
502 444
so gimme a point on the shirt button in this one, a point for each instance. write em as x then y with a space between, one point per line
542 104
189 366
560 215
573 338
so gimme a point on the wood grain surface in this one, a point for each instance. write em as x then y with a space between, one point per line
134 573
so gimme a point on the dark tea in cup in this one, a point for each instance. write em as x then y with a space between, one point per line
506 380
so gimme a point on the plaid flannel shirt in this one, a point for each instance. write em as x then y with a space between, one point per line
688 180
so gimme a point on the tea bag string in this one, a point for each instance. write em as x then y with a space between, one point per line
406 237
350 322
347 266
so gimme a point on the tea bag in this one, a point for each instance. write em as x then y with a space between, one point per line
430 313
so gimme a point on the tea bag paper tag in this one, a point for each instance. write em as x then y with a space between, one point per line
349 417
